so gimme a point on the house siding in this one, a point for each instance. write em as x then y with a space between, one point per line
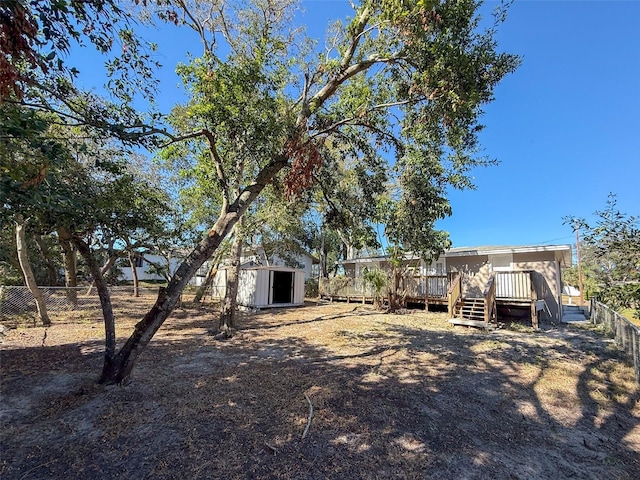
476 272
143 271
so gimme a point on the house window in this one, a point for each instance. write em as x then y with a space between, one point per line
435 269
138 261
501 263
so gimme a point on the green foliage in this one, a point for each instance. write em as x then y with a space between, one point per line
40 35
311 289
589 273
65 179
399 136
375 278
612 257
383 120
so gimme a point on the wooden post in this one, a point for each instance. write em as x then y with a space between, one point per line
426 293
532 299
636 355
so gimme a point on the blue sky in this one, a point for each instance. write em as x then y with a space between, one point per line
565 126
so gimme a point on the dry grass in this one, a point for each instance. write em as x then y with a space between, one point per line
394 396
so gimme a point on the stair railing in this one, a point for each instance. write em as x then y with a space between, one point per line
489 295
454 292
534 306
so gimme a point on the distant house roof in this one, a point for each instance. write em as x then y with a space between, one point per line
564 252
259 250
256 266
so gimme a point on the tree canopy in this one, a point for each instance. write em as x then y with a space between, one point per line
393 102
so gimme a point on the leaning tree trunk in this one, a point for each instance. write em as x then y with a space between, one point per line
69 261
105 302
211 274
134 274
29 278
230 304
145 329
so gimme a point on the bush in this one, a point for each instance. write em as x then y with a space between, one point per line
311 289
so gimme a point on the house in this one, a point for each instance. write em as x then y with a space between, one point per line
477 284
149 267
264 286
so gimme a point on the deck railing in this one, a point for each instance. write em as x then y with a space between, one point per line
489 295
454 292
344 287
513 285
419 286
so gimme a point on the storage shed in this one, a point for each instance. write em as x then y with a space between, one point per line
264 287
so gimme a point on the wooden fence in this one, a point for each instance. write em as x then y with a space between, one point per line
626 334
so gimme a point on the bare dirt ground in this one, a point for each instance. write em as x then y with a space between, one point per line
393 396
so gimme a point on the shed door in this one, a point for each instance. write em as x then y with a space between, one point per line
282 287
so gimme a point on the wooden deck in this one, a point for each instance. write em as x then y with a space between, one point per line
431 289
505 294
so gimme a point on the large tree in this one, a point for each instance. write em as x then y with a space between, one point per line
400 85
408 78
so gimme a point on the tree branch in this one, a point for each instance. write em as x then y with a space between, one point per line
196 25
217 162
350 120
332 85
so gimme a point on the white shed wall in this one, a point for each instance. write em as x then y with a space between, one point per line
262 288
298 289
247 281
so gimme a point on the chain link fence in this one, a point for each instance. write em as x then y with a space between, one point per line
17 303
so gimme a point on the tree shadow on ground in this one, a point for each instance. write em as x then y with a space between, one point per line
391 401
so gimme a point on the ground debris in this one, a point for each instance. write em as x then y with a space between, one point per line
388 396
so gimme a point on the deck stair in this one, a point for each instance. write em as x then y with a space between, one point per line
573 314
469 312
